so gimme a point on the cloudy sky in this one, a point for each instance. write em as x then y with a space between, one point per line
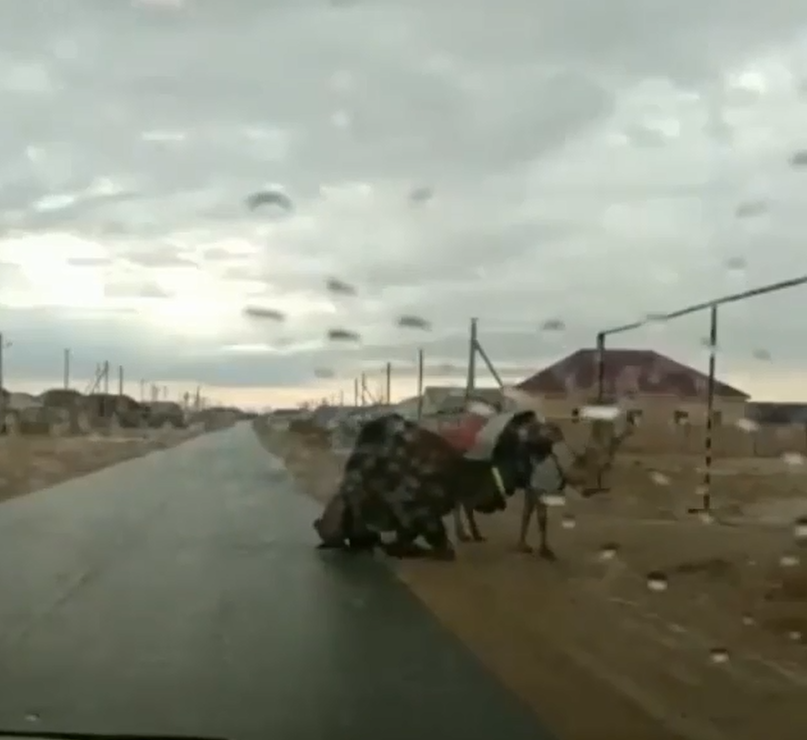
552 168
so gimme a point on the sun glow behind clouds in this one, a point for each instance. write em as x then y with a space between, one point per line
48 277
199 304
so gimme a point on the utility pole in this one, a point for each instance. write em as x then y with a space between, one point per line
2 387
120 380
388 389
469 384
420 384
66 368
106 377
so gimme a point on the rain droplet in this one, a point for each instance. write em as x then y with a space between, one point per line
261 312
324 373
568 522
719 655
800 529
655 318
659 478
553 498
335 285
706 517
762 354
751 208
414 322
269 197
747 425
608 551
656 581
480 408
748 620
736 263
343 335
706 343
789 561
793 459
553 325
421 195
795 635
605 413
33 717
799 158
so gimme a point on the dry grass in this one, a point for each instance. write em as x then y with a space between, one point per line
720 653
29 463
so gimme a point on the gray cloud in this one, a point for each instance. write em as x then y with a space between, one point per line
586 163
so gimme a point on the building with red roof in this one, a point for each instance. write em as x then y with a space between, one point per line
653 386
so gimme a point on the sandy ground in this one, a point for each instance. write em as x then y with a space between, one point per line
655 623
28 463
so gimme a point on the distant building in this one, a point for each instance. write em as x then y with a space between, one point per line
773 412
654 387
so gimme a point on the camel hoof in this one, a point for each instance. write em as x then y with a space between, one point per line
446 554
524 548
462 537
478 538
404 550
547 553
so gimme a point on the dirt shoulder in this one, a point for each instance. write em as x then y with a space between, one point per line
598 653
29 463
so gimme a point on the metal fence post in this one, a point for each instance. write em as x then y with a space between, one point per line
710 404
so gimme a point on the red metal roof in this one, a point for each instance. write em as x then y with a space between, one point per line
627 372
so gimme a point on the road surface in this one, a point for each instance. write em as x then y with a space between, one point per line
181 593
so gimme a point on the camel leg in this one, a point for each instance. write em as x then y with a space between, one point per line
459 528
476 535
544 550
436 535
530 504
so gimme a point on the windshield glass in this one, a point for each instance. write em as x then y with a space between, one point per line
274 275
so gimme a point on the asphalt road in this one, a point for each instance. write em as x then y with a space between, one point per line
181 593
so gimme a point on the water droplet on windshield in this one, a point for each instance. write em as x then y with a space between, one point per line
553 499
608 551
789 561
656 581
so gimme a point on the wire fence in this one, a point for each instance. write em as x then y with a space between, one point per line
711 307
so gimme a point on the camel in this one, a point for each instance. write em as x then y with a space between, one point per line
548 475
402 479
